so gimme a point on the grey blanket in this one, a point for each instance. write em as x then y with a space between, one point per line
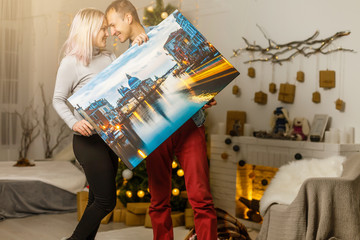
325 208
25 198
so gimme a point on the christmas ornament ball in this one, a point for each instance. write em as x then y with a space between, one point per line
127 174
150 8
164 15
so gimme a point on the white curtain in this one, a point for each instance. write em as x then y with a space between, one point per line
12 80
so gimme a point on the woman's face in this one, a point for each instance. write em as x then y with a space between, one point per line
102 35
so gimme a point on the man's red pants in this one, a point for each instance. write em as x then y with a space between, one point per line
188 144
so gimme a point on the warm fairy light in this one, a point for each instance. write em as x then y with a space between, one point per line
129 194
148 189
141 193
180 172
175 191
119 159
143 155
174 164
118 192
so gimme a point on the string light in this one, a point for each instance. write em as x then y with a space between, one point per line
129 194
174 164
175 192
164 15
140 193
180 172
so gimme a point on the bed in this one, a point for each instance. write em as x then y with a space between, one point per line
47 187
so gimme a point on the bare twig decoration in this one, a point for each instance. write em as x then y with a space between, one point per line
275 52
61 135
29 124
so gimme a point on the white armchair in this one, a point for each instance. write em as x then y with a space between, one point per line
324 208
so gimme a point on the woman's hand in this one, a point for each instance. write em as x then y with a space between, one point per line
140 39
83 127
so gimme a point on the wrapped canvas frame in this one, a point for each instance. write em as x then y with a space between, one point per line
151 90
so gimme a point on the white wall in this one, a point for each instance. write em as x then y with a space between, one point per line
224 23
284 21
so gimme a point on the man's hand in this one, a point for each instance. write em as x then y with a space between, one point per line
140 39
83 127
210 103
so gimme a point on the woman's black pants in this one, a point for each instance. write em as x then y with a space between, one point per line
100 165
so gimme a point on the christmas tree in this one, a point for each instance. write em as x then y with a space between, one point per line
133 185
154 15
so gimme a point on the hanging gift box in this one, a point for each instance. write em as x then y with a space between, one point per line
300 76
260 97
251 72
235 90
327 79
272 88
286 93
340 105
316 97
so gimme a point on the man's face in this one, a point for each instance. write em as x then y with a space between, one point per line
102 35
118 27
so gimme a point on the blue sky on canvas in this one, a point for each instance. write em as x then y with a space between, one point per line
147 60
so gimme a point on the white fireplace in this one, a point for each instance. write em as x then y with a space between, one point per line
242 167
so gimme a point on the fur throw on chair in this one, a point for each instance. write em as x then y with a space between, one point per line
284 187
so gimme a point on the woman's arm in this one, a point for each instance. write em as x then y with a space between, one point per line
65 80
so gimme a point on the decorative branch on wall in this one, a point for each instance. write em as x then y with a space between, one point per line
278 53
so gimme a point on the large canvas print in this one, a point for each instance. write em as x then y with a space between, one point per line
151 90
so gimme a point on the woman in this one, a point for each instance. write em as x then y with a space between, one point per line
84 57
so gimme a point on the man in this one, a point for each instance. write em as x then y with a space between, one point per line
187 143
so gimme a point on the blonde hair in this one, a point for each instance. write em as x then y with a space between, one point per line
123 7
84 28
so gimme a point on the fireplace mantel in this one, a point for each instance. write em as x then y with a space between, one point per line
225 157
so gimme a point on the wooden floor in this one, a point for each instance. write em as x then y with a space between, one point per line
52 227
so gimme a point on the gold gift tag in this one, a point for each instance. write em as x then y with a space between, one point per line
251 72
235 90
300 76
340 105
316 97
327 79
260 98
272 88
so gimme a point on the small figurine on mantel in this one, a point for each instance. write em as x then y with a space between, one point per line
280 122
280 126
300 129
